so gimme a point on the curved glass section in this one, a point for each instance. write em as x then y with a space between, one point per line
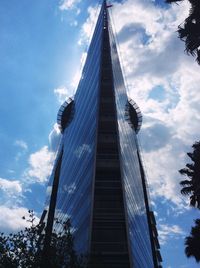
138 230
74 199
65 114
133 115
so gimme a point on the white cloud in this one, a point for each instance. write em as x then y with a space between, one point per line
70 189
68 4
21 144
78 11
167 232
74 23
77 76
10 186
41 163
62 93
162 167
84 148
11 218
89 25
49 191
84 40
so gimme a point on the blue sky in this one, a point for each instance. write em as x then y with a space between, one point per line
42 47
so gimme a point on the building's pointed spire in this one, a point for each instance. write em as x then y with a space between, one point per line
106 5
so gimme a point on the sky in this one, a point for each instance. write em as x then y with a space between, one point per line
43 44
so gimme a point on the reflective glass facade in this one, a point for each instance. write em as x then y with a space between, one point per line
98 179
74 198
138 230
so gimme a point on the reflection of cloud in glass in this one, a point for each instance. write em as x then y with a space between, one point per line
49 190
70 189
54 138
85 148
61 215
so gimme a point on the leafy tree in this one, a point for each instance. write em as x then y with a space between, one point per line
191 186
20 249
24 249
192 242
189 32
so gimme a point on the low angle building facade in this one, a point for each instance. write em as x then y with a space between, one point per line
98 180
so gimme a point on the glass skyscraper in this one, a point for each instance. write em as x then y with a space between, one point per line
98 179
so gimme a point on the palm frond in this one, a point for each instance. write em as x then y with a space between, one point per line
187 190
193 201
186 183
186 171
191 45
191 156
182 33
191 185
196 145
198 202
191 249
190 166
198 57
192 242
190 31
197 222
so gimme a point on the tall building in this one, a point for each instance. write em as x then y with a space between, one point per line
98 179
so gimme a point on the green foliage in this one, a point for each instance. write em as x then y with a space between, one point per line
189 32
25 248
192 242
191 186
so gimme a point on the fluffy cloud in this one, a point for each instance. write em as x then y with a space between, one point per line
85 148
167 232
11 218
41 163
13 192
21 144
88 27
10 187
77 76
153 134
68 4
162 168
62 93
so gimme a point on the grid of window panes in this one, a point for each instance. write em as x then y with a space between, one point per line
74 198
139 237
